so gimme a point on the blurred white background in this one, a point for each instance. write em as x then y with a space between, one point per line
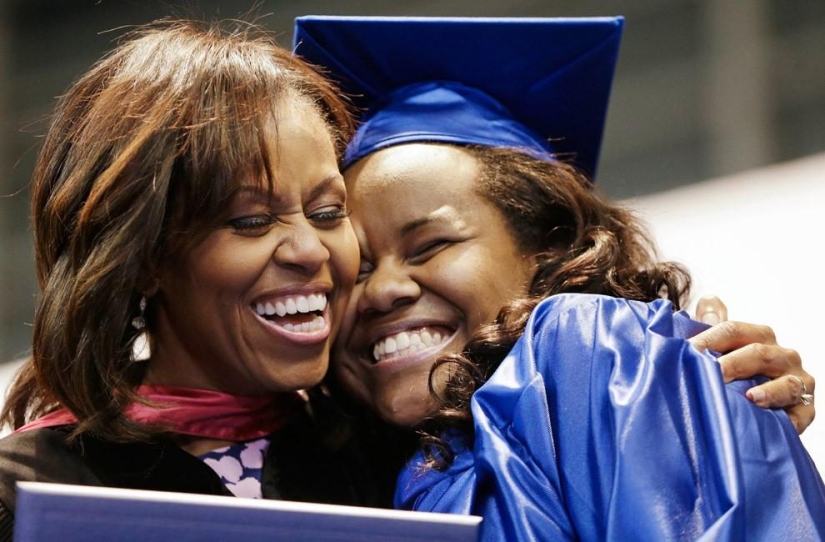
755 239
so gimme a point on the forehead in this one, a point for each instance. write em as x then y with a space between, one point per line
413 189
298 141
294 118
413 177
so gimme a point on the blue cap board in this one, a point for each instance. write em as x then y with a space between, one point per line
537 84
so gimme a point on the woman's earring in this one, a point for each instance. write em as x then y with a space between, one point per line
140 346
139 321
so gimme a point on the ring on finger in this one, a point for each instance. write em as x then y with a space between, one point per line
805 398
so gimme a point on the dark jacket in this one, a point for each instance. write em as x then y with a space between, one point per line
299 466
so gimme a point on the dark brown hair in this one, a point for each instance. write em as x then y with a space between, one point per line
143 151
581 243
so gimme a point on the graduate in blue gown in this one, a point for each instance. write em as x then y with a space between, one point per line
574 415
603 423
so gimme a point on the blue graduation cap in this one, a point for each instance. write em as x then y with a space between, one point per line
537 84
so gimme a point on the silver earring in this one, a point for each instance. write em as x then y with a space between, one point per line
140 345
139 321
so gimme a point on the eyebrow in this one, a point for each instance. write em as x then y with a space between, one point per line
259 192
324 185
439 215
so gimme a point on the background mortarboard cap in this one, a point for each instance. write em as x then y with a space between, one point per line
553 75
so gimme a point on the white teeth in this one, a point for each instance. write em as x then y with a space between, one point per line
306 327
390 345
292 305
406 342
402 340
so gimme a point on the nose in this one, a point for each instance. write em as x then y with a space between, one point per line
387 287
302 248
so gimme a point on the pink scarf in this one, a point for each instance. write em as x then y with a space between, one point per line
200 413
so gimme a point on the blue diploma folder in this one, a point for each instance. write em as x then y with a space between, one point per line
67 513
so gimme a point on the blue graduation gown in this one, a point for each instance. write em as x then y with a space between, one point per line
603 423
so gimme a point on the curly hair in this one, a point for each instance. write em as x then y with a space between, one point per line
581 242
143 150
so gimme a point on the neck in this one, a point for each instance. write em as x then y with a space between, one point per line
198 446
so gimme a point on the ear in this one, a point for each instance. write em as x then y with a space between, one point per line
151 284
152 288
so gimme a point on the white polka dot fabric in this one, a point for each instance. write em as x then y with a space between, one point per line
240 466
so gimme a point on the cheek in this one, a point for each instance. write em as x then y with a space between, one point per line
222 264
344 256
476 284
353 384
348 320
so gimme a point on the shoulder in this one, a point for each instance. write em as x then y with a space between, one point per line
40 455
31 447
599 306
577 346
586 321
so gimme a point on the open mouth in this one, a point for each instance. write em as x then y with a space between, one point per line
295 313
410 341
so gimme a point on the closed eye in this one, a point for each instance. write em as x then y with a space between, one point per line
329 216
429 249
364 270
252 225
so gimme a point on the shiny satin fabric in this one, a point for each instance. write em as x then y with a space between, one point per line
603 423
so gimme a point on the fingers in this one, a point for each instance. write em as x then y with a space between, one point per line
783 365
711 310
750 350
769 360
728 336
786 392
778 393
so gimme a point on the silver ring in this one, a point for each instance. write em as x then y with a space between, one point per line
805 398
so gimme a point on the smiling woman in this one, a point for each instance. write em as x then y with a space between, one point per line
187 191
447 247
292 248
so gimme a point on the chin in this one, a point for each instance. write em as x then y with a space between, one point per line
409 411
304 377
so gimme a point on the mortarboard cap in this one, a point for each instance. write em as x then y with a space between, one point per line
538 84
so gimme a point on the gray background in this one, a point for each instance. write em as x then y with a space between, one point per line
704 88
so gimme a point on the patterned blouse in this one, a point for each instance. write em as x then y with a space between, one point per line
240 466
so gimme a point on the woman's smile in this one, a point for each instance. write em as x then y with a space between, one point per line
302 319
424 341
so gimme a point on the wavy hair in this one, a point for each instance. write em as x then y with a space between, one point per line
580 241
143 151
